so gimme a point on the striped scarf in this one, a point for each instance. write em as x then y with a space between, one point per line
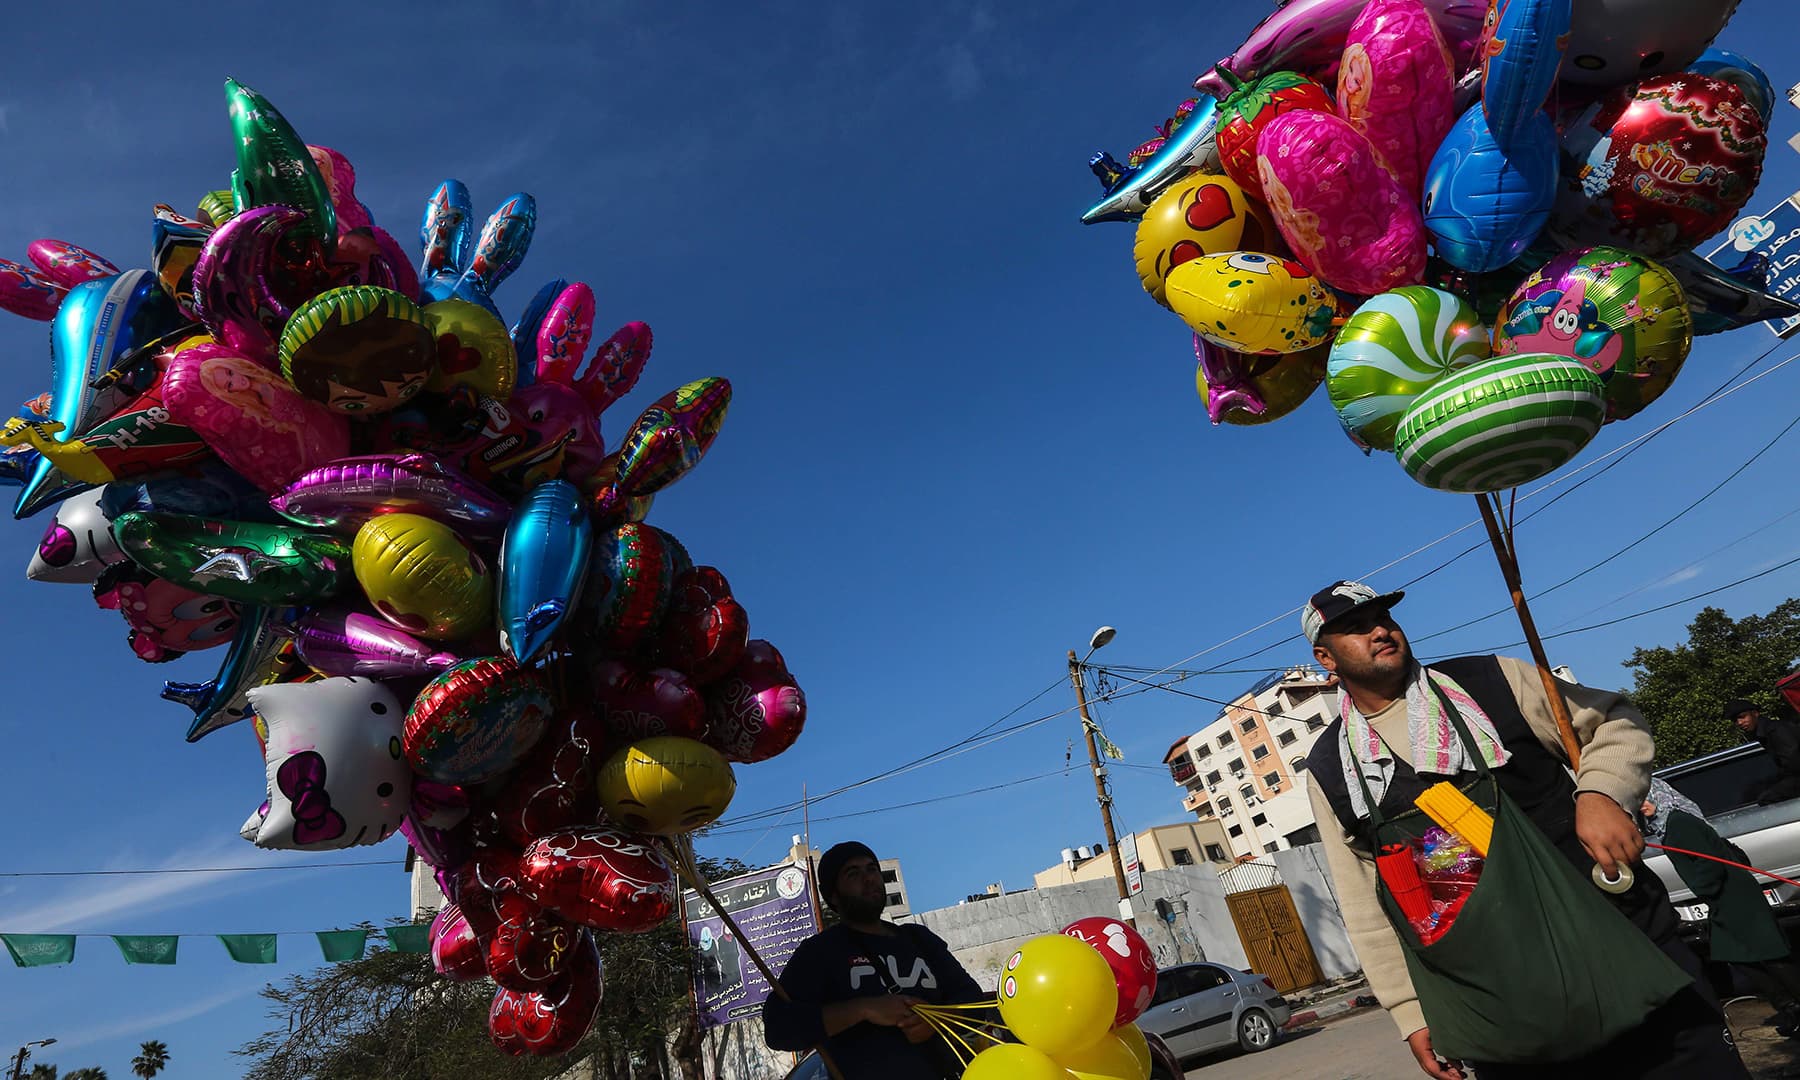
1435 747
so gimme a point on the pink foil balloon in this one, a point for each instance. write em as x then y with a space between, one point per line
633 704
563 336
1308 36
705 629
558 413
233 288
758 710
1397 85
616 365
344 494
455 954
1343 216
25 291
68 264
252 418
339 641
340 181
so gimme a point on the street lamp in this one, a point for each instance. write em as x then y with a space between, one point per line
25 1052
1099 641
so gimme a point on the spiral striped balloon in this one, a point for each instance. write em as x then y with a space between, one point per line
1395 347
1501 423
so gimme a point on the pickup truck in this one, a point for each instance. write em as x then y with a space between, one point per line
1769 835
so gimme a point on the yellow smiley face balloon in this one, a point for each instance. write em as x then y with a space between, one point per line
1202 215
1254 303
422 577
474 349
666 785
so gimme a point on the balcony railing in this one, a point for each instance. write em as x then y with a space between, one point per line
1183 771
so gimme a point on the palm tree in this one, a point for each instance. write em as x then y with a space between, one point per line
152 1056
86 1074
41 1072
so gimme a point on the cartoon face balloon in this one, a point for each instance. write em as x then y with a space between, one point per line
252 418
166 620
1201 215
1614 42
1621 315
358 350
337 777
1396 85
77 545
422 577
1659 169
1484 205
1253 303
666 786
1343 214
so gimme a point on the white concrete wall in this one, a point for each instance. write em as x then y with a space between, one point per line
1309 882
983 935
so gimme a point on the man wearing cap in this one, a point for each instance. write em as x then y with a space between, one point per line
853 985
1394 732
1780 738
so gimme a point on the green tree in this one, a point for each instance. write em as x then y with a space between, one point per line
86 1074
1681 689
41 1072
153 1057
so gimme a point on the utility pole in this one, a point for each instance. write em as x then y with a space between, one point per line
1100 793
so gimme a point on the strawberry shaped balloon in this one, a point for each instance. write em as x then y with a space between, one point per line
1251 106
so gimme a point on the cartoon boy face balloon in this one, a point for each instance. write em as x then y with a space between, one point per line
337 776
360 350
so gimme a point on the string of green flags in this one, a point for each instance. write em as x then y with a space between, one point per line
47 950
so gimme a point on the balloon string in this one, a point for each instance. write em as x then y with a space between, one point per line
946 1023
1727 862
962 1022
962 1050
977 1006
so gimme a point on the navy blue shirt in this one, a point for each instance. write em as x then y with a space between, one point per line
839 964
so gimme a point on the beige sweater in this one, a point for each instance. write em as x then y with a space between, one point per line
1615 761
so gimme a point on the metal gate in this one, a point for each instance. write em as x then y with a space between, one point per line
1273 938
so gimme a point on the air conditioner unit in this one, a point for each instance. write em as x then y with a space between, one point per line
1068 854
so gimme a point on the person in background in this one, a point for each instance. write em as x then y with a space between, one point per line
853 985
1742 926
1780 738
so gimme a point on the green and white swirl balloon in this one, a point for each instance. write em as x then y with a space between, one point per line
1395 347
1502 423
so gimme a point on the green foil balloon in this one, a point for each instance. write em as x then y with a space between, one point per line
1621 315
218 207
1394 348
1501 423
247 562
275 167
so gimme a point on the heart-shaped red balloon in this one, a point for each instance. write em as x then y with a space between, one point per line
553 788
490 873
531 947
455 953
757 711
603 878
705 631
632 703
1128 954
550 1022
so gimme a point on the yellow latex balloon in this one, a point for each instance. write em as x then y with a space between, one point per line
473 350
1254 303
1010 1061
1201 215
1118 1055
1057 994
666 785
1283 382
422 577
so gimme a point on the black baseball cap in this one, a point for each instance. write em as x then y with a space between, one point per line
1337 600
1737 707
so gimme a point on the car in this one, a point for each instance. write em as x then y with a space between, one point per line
1163 1063
1720 783
1201 1007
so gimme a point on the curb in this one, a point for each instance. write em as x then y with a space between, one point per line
1323 1012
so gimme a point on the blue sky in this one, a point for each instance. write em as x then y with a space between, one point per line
961 439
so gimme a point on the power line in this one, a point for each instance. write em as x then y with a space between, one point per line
921 802
197 869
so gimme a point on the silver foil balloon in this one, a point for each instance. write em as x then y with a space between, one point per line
339 641
77 545
349 491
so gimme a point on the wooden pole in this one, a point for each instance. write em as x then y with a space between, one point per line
1502 540
690 874
1105 800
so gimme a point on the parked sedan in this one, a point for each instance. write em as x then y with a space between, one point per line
1202 1007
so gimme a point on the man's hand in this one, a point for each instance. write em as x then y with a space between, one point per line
1607 832
892 1010
1420 1042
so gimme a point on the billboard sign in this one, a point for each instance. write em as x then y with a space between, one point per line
1775 236
774 909
1134 868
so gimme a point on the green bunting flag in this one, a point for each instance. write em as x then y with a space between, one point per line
342 945
39 950
147 948
250 948
413 938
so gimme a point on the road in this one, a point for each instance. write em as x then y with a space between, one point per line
1363 1046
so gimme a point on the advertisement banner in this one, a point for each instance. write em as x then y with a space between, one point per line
1775 236
774 909
1134 869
